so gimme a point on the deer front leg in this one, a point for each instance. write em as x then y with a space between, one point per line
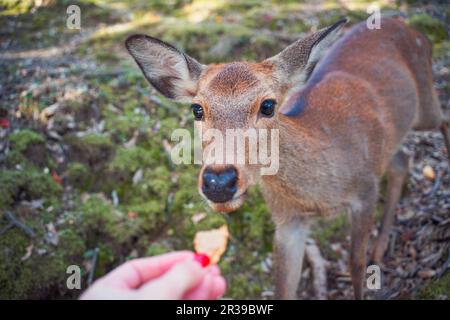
362 219
290 238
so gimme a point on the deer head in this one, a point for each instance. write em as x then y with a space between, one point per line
236 95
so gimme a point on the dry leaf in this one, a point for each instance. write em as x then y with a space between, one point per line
57 178
28 253
424 274
132 215
428 172
167 146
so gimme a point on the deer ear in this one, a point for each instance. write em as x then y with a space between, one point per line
295 63
172 72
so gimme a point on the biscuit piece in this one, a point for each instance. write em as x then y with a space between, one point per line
213 243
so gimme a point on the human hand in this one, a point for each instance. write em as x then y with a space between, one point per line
171 276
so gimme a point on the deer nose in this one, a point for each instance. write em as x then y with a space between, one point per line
219 186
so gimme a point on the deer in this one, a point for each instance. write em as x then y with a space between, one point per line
343 105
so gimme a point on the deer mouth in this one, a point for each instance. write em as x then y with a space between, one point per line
229 206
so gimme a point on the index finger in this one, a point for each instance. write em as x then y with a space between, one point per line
136 272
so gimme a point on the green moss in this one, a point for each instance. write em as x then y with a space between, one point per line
159 180
433 28
131 159
14 158
28 183
240 287
127 122
105 259
71 242
96 140
41 273
14 7
78 175
158 248
92 149
441 50
12 243
99 216
107 57
436 289
23 139
151 213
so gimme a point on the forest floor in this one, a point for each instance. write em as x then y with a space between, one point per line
85 141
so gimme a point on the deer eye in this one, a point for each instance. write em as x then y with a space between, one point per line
197 110
267 107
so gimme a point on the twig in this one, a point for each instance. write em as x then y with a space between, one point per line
392 241
169 205
94 264
14 222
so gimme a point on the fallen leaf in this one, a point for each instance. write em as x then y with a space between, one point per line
132 215
48 112
407 235
167 146
132 142
28 253
138 175
428 172
56 177
425 274
4 123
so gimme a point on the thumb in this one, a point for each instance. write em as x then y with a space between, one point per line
175 283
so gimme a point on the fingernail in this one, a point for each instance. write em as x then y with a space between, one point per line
202 258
